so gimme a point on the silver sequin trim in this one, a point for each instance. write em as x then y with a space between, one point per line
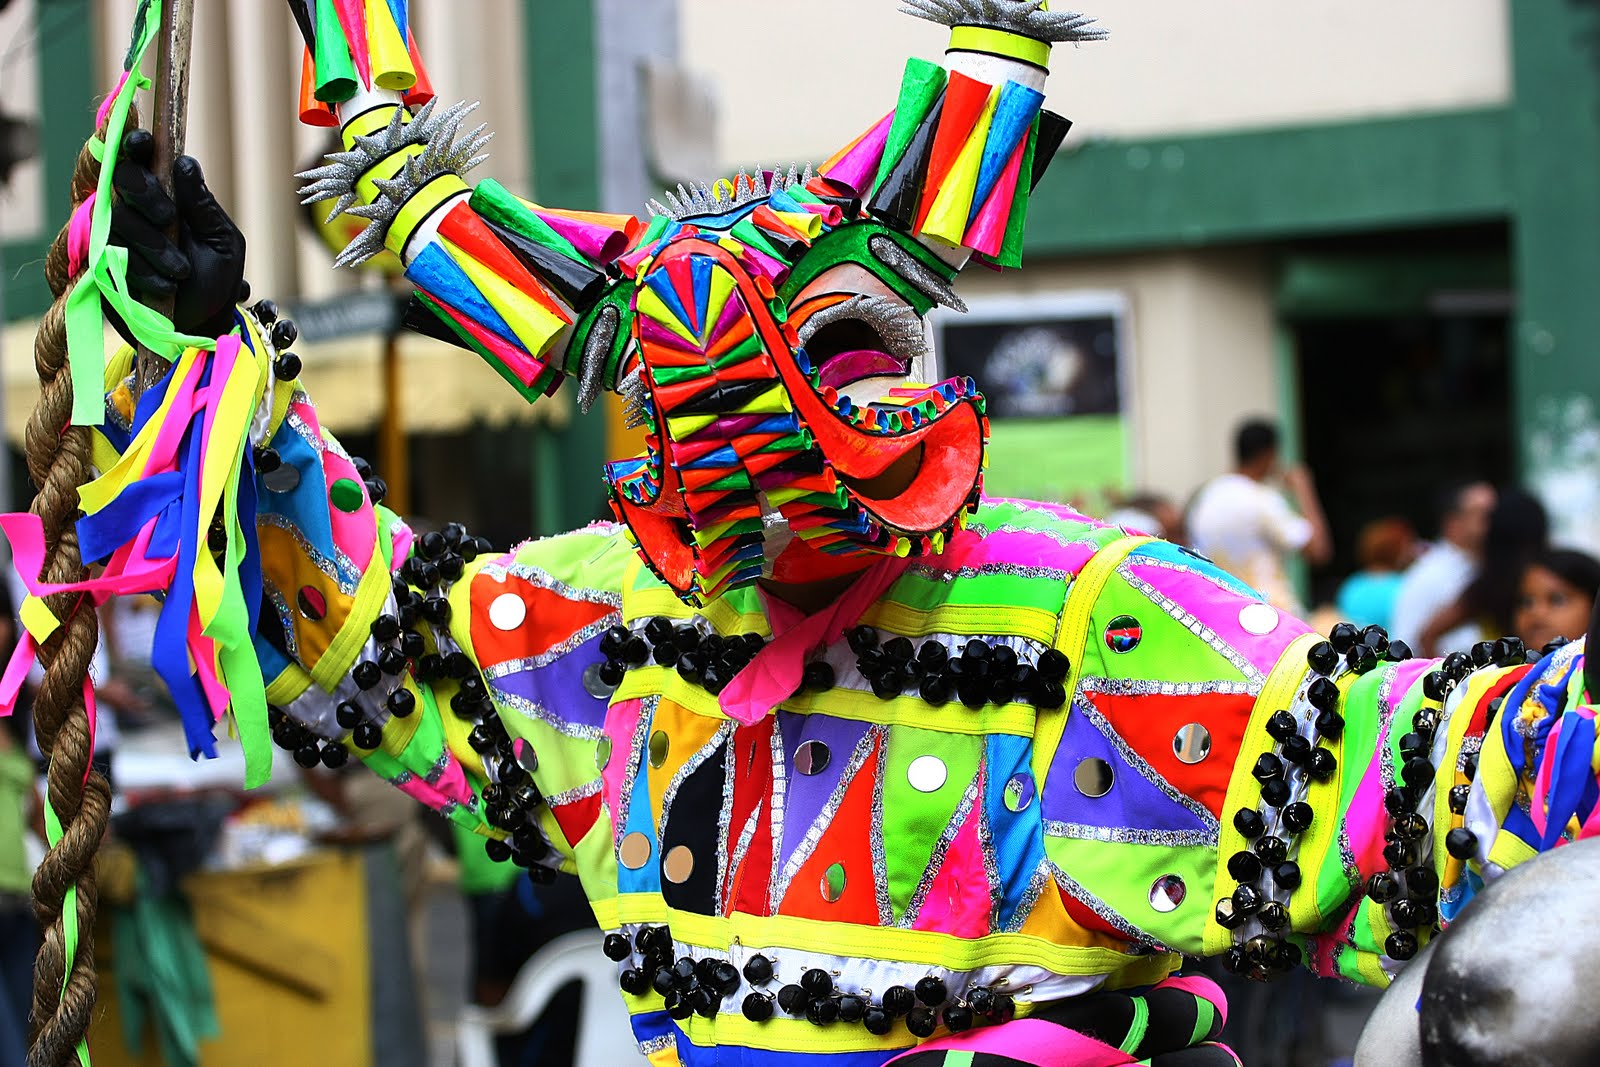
577 793
567 647
824 820
544 580
690 765
1195 626
344 572
1054 535
936 860
1119 687
641 735
1104 910
725 821
1208 820
657 1044
534 710
1127 836
937 574
1030 899
880 857
780 791
285 618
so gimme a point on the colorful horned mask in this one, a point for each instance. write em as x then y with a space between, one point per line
768 331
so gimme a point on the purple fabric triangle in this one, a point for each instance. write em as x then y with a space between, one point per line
1134 802
807 794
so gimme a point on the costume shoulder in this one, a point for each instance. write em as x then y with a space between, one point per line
544 600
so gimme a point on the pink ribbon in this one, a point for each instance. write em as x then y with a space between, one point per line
78 236
773 676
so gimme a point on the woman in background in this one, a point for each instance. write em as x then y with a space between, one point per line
1519 532
1558 591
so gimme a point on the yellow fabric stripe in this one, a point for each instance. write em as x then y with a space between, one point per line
1034 623
1000 43
391 63
1444 820
419 207
289 686
1073 638
1245 792
346 644
914 947
366 124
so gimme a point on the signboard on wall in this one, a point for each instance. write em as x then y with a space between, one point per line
1055 369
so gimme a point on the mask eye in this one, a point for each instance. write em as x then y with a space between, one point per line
862 337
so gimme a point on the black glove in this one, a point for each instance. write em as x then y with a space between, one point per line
203 270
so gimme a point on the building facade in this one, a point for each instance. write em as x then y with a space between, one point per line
1379 223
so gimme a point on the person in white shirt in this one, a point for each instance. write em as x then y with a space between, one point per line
1244 523
1441 574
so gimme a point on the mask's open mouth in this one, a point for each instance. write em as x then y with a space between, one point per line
861 337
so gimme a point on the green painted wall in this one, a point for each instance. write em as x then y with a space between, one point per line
1419 170
562 58
67 92
1555 150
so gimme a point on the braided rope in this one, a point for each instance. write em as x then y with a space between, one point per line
58 455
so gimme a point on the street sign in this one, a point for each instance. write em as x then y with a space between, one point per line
348 316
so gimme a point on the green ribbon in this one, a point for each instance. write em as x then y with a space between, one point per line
107 275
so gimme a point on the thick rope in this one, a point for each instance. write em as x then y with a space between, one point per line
59 460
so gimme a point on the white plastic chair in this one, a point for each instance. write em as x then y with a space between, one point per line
605 1038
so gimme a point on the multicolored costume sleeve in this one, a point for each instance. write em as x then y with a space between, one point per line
987 799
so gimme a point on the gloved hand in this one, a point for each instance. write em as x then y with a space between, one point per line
203 270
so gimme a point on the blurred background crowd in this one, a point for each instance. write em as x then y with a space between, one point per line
1310 290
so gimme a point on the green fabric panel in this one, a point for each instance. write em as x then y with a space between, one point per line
565 762
1167 651
1205 1018
915 820
848 244
919 88
1121 875
479 873
995 591
1358 745
492 200
595 558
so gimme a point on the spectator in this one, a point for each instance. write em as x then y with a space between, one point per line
1149 513
1556 597
1385 548
1519 531
1245 524
1442 573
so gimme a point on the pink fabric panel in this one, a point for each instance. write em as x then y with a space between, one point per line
958 900
1219 609
622 724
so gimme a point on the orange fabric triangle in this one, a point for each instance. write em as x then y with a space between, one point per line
1150 723
551 619
847 842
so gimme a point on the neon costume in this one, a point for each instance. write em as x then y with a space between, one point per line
1023 758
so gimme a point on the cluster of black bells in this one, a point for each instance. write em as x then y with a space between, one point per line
1266 955
1410 887
286 366
980 674
704 659
698 987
